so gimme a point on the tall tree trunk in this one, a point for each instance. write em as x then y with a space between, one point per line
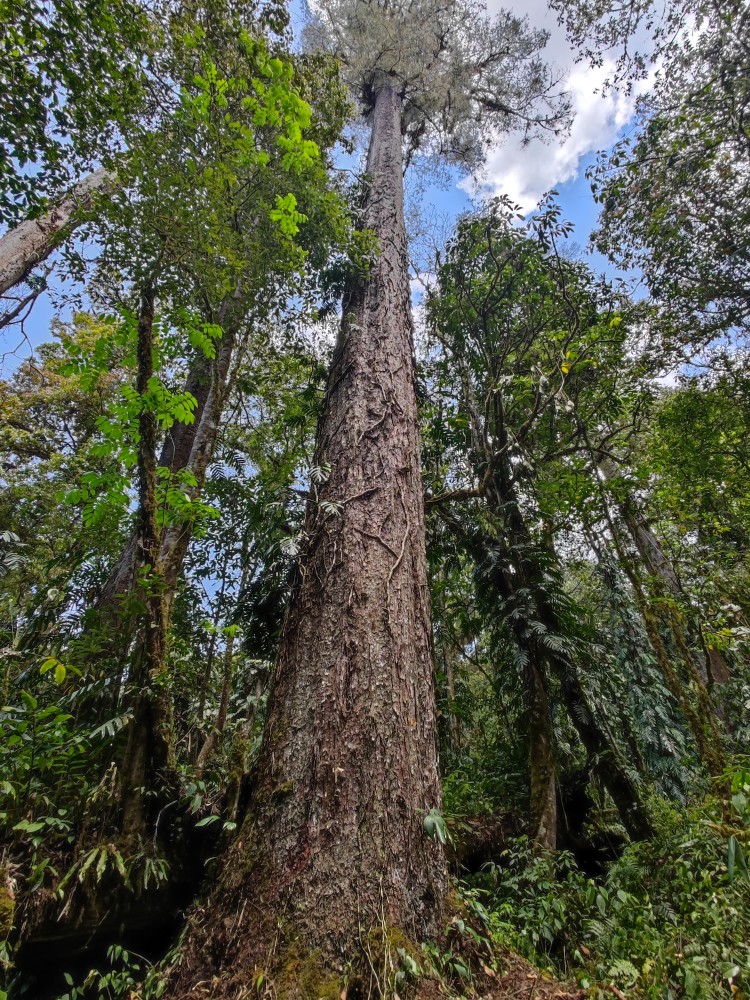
543 783
149 744
620 781
658 564
334 849
31 242
617 778
148 756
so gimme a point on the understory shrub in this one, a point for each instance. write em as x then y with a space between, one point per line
671 919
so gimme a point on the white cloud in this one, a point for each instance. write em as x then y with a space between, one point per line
525 173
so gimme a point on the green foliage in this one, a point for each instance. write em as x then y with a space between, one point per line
11 557
435 827
669 919
463 72
675 197
44 760
542 425
56 121
129 974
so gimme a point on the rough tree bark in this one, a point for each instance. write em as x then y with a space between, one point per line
31 242
334 849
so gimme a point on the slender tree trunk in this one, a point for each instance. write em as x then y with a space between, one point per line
619 781
695 706
176 453
543 784
214 736
454 722
149 751
32 241
149 743
212 740
189 446
176 538
653 555
713 668
334 849
658 564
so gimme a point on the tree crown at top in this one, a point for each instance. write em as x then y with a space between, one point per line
458 69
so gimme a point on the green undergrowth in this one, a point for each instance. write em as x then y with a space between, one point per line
671 919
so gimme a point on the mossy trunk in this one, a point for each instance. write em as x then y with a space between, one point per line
543 784
676 605
692 698
149 746
334 845
620 781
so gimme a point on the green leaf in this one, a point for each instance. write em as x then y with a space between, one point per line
207 820
435 827
736 860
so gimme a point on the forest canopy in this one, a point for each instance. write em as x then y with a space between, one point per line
354 643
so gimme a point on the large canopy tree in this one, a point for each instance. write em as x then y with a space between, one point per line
336 847
201 237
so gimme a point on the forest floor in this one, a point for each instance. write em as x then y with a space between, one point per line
517 979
